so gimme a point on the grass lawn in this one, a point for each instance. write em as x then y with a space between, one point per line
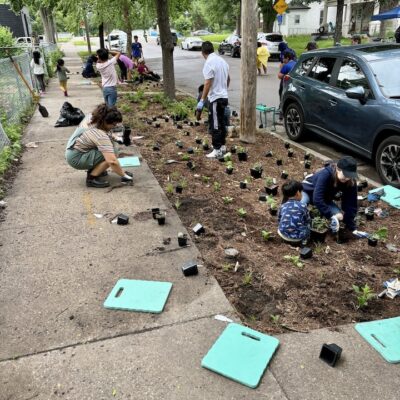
82 43
85 54
298 43
64 39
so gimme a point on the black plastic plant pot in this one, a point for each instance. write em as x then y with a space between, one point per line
198 140
156 147
284 175
233 149
187 133
190 165
186 121
154 119
372 242
307 156
229 171
243 185
190 268
234 114
342 236
262 197
160 219
255 173
242 156
261 126
206 147
179 189
191 123
155 211
166 119
177 118
271 190
287 145
182 241
364 183
290 153
179 126
273 211
127 135
206 122
279 162
330 353
369 216
361 210
196 123
306 253
157 125
318 237
269 154
198 229
122 219
359 187
307 164
149 122
221 159
190 150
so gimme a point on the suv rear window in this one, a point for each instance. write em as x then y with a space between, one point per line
322 70
304 66
274 38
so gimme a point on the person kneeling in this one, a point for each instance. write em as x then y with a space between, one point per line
91 148
145 73
293 217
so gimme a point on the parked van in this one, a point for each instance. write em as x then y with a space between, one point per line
117 40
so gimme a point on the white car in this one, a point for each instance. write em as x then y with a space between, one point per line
201 32
117 40
272 41
191 43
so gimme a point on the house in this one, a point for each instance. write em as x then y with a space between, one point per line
19 24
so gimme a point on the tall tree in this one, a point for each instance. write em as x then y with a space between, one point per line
268 13
337 37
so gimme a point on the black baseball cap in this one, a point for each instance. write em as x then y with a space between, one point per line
348 165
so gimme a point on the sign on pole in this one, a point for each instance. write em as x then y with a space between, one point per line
280 7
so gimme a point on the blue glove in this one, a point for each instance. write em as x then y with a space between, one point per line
334 226
200 105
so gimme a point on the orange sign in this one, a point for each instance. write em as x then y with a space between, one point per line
280 7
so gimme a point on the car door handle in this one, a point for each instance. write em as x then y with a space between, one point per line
333 103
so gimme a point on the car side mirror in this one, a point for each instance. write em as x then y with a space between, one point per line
357 93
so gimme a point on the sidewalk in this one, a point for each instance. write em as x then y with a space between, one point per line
58 263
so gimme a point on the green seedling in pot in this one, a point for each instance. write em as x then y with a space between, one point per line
266 235
217 186
183 183
364 295
258 167
319 224
185 157
380 234
275 319
241 150
175 176
229 164
295 260
227 199
242 212
206 179
178 204
269 181
227 267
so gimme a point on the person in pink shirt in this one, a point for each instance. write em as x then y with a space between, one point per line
126 66
109 77
146 73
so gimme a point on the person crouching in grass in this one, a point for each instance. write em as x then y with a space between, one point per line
293 217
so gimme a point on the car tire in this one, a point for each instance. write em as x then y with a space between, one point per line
294 122
182 47
387 161
220 52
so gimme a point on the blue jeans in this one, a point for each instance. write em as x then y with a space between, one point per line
110 95
305 199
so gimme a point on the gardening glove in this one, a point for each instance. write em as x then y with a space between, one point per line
334 225
360 234
200 105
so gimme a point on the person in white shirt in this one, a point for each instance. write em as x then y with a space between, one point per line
109 77
216 83
37 64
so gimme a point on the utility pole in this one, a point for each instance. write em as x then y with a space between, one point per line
248 74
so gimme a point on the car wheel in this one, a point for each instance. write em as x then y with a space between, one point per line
220 52
181 46
387 161
294 122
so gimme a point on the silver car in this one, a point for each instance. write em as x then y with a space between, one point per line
272 41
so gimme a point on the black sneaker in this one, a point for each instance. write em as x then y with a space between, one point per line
103 174
96 183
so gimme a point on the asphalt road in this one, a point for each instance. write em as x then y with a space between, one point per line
188 67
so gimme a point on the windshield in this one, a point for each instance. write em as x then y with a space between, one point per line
387 76
274 38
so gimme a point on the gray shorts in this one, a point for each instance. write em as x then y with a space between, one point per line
87 161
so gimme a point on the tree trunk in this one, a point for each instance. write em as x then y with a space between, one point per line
248 72
52 25
45 21
127 24
268 23
239 20
101 35
167 48
89 46
339 22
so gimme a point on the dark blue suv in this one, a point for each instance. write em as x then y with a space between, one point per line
351 96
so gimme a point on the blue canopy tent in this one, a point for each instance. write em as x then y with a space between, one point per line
391 14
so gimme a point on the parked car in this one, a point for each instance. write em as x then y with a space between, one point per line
231 45
117 40
24 41
272 41
201 32
349 95
191 43
174 38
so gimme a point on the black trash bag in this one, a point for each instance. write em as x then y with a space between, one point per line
69 116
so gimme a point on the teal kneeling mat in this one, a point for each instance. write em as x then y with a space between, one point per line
383 336
241 354
129 162
133 295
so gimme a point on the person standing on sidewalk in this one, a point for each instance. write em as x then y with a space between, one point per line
216 83
37 64
61 71
137 50
109 77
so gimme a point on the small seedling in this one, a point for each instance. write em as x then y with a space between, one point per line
364 294
227 267
227 157
266 235
295 260
227 199
216 186
241 150
397 271
319 248
178 204
242 212
275 319
185 157
229 164
380 234
206 179
269 181
258 167
319 224
247 278
175 176
183 183
170 188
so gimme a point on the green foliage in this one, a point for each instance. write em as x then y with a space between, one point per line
183 24
185 157
247 278
143 105
227 267
7 40
397 271
295 260
269 181
216 186
381 234
241 212
177 204
266 235
364 294
135 97
206 179
51 61
183 183
8 153
125 108
227 199
319 224
275 319
170 188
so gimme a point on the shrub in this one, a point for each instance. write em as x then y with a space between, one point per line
7 40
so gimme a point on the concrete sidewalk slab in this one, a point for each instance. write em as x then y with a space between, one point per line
159 364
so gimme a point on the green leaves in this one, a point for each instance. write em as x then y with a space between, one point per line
364 294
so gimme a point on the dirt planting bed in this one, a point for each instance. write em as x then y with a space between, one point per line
270 292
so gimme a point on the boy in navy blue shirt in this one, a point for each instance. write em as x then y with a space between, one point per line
293 217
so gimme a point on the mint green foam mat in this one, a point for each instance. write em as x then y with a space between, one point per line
383 336
129 162
134 295
392 195
241 354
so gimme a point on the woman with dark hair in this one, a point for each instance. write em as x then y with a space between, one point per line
311 46
91 148
88 70
37 64
335 182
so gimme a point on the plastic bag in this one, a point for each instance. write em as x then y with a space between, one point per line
69 115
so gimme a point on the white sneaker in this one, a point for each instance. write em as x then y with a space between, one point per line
215 154
223 148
